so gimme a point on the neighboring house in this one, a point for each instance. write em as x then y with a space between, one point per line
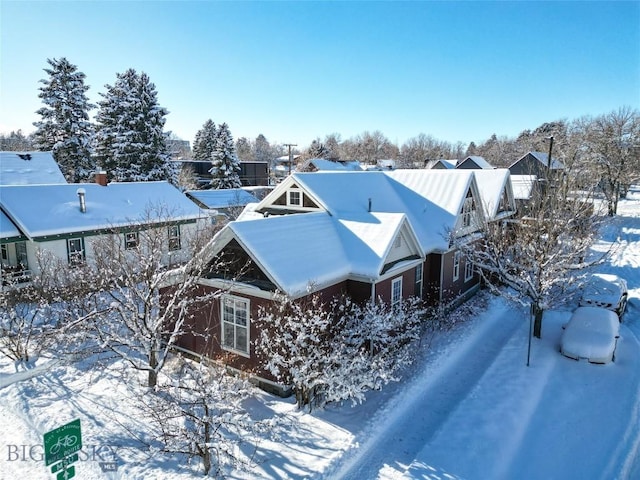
379 234
321 164
526 191
283 166
29 168
474 162
229 202
538 164
251 173
64 219
444 164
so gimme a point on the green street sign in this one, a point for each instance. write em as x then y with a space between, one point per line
66 461
62 442
67 474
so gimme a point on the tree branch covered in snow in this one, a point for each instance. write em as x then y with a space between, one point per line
339 351
140 325
538 256
198 411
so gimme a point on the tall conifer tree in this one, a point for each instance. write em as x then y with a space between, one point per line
65 128
205 142
225 164
130 142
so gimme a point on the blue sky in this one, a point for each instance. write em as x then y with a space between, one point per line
294 71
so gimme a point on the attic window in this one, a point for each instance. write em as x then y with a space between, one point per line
467 211
294 198
504 202
397 243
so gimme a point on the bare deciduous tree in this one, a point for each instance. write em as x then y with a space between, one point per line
140 325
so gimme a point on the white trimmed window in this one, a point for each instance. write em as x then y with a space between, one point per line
130 240
75 251
294 197
396 291
5 253
467 212
468 270
419 275
456 265
174 237
235 324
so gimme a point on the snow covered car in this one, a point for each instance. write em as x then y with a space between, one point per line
606 291
592 333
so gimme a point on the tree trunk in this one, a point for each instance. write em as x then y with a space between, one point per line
538 312
206 454
153 374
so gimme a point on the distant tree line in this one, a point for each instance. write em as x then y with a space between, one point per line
128 139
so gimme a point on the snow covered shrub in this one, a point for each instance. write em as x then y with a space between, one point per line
40 314
197 410
339 351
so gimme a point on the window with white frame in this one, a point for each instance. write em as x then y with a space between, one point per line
75 251
130 240
397 243
468 270
294 197
396 291
235 324
456 265
5 253
467 212
174 237
419 274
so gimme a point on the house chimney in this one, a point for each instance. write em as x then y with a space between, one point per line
101 178
81 196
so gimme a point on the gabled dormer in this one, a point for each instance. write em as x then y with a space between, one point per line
471 214
404 247
289 197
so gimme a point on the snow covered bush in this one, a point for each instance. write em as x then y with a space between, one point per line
53 307
197 410
337 351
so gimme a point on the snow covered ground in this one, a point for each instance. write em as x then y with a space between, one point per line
470 408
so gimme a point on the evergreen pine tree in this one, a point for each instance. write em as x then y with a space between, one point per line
130 142
225 164
205 142
65 128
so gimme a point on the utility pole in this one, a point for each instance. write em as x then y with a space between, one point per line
290 155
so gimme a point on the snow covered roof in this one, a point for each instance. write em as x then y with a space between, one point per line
342 249
29 168
431 199
222 198
478 160
492 185
544 159
522 186
46 210
323 164
7 229
447 164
